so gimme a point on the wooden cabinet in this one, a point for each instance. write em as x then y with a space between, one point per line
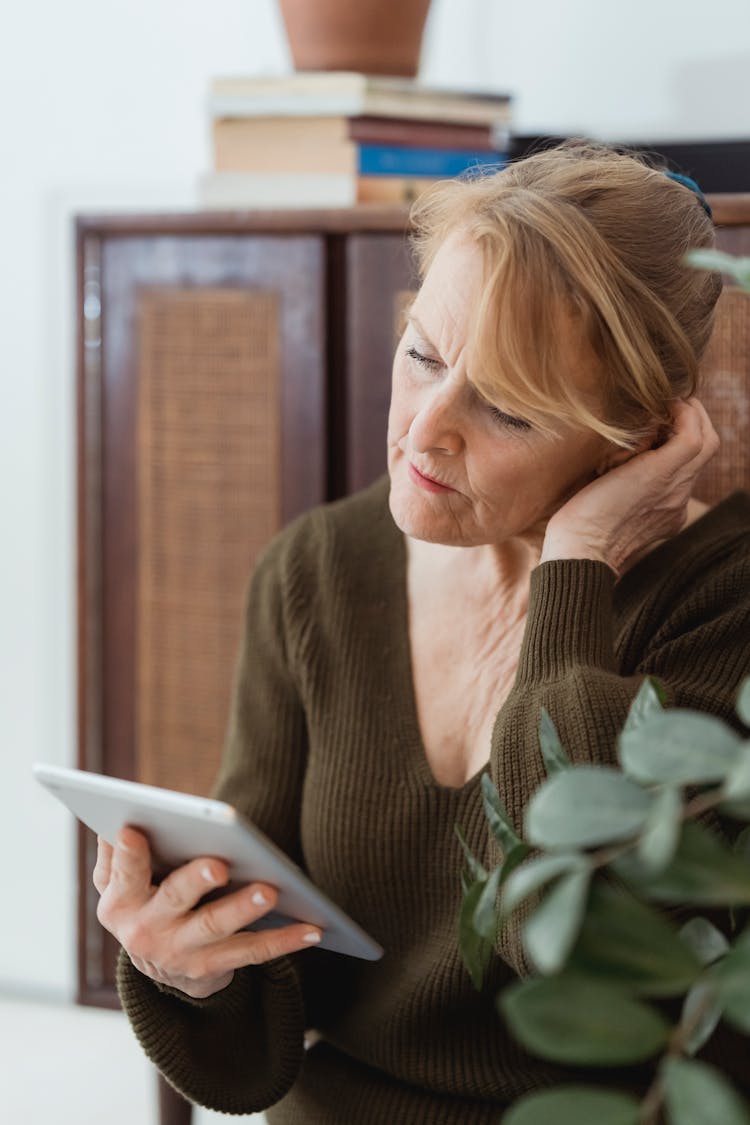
233 371
725 385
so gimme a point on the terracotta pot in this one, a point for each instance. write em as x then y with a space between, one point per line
371 36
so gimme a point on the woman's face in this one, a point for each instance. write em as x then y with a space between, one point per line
505 479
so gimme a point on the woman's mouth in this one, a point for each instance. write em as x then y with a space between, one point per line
427 483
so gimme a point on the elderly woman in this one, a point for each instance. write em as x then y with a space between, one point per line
534 543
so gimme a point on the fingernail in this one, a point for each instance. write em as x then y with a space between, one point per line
260 899
207 874
312 937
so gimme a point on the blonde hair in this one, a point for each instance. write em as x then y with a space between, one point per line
596 235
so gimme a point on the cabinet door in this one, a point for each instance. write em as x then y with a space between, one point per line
381 283
724 387
202 432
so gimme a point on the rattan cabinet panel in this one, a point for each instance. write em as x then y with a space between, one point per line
202 431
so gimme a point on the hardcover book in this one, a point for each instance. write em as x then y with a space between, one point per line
348 93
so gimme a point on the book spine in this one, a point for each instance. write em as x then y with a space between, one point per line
364 130
242 191
336 83
391 189
391 160
380 104
420 134
286 158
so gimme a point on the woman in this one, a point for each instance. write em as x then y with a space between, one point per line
534 544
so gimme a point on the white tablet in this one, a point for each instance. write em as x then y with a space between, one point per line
180 827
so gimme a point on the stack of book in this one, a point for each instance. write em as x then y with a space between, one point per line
337 138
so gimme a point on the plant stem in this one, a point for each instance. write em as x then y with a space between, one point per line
700 804
648 1113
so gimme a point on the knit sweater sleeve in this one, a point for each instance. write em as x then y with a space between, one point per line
567 664
240 1050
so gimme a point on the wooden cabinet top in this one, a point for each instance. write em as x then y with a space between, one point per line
344 220
728 210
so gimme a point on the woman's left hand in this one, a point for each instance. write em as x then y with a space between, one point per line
631 508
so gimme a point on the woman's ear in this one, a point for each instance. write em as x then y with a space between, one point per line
616 455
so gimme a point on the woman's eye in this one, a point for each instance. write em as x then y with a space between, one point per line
508 419
498 415
425 360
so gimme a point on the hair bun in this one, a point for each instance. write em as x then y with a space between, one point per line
681 179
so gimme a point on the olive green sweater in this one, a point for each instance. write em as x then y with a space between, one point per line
324 753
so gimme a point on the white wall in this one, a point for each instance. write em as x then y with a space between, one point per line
101 108
645 70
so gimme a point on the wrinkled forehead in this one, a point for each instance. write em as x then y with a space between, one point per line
449 292
465 309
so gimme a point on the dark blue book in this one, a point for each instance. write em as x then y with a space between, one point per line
401 160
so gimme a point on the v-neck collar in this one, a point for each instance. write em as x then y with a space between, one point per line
395 626
730 516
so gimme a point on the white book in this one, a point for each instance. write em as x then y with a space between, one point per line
249 190
240 190
350 94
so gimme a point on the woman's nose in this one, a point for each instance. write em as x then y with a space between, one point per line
437 424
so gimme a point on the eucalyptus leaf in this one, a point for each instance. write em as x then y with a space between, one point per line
555 758
659 689
679 747
500 823
624 941
475 950
485 914
576 1021
697 1093
701 1011
741 848
648 701
574 1105
709 259
718 260
534 874
661 832
737 782
706 942
585 806
513 860
702 872
731 976
743 702
475 867
550 932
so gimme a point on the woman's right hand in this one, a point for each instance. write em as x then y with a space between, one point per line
167 938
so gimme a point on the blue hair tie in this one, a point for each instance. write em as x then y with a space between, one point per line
693 187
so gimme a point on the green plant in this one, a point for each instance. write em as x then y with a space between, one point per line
610 856
609 845
738 268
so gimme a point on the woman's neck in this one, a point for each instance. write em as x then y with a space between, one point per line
483 575
495 568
